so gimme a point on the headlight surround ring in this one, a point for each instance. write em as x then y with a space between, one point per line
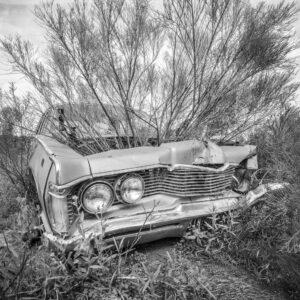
129 188
89 193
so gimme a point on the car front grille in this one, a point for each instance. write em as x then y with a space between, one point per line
182 182
186 182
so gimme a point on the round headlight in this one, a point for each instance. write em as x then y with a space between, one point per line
97 197
130 188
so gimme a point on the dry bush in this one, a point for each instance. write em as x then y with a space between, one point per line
221 58
164 75
265 239
39 274
16 129
179 274
8 203
15 139
278 146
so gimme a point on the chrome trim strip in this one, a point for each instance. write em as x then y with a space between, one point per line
124 224
72 183
202 168
145 167
170 168
185 211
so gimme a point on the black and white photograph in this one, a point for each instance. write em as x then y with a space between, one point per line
149 149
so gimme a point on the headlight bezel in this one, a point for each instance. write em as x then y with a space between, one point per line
89 185
118 186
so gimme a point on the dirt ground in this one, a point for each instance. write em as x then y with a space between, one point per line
225 280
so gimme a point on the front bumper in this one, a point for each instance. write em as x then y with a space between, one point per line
156 217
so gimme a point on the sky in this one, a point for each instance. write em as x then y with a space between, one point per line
16 17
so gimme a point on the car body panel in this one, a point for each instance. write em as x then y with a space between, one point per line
58 170
236 154
141 226
40 165
69 165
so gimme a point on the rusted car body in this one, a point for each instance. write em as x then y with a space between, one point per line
149 192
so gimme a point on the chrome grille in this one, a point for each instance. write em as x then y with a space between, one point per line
71 210
189 182
179 182
186 182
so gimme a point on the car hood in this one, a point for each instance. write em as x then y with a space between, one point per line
71 167
168 154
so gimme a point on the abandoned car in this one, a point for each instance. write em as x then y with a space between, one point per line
149 192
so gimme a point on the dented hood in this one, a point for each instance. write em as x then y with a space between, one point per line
168 154
72 167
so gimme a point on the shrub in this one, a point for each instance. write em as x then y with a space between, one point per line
265 239
107 275
278 144
8 203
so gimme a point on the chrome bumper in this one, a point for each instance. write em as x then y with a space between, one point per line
157 217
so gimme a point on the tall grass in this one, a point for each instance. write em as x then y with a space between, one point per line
265 239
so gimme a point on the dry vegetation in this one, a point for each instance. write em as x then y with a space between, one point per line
263 240
220 60
167 75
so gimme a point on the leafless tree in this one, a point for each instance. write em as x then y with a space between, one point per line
159 76
228 65
15 125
